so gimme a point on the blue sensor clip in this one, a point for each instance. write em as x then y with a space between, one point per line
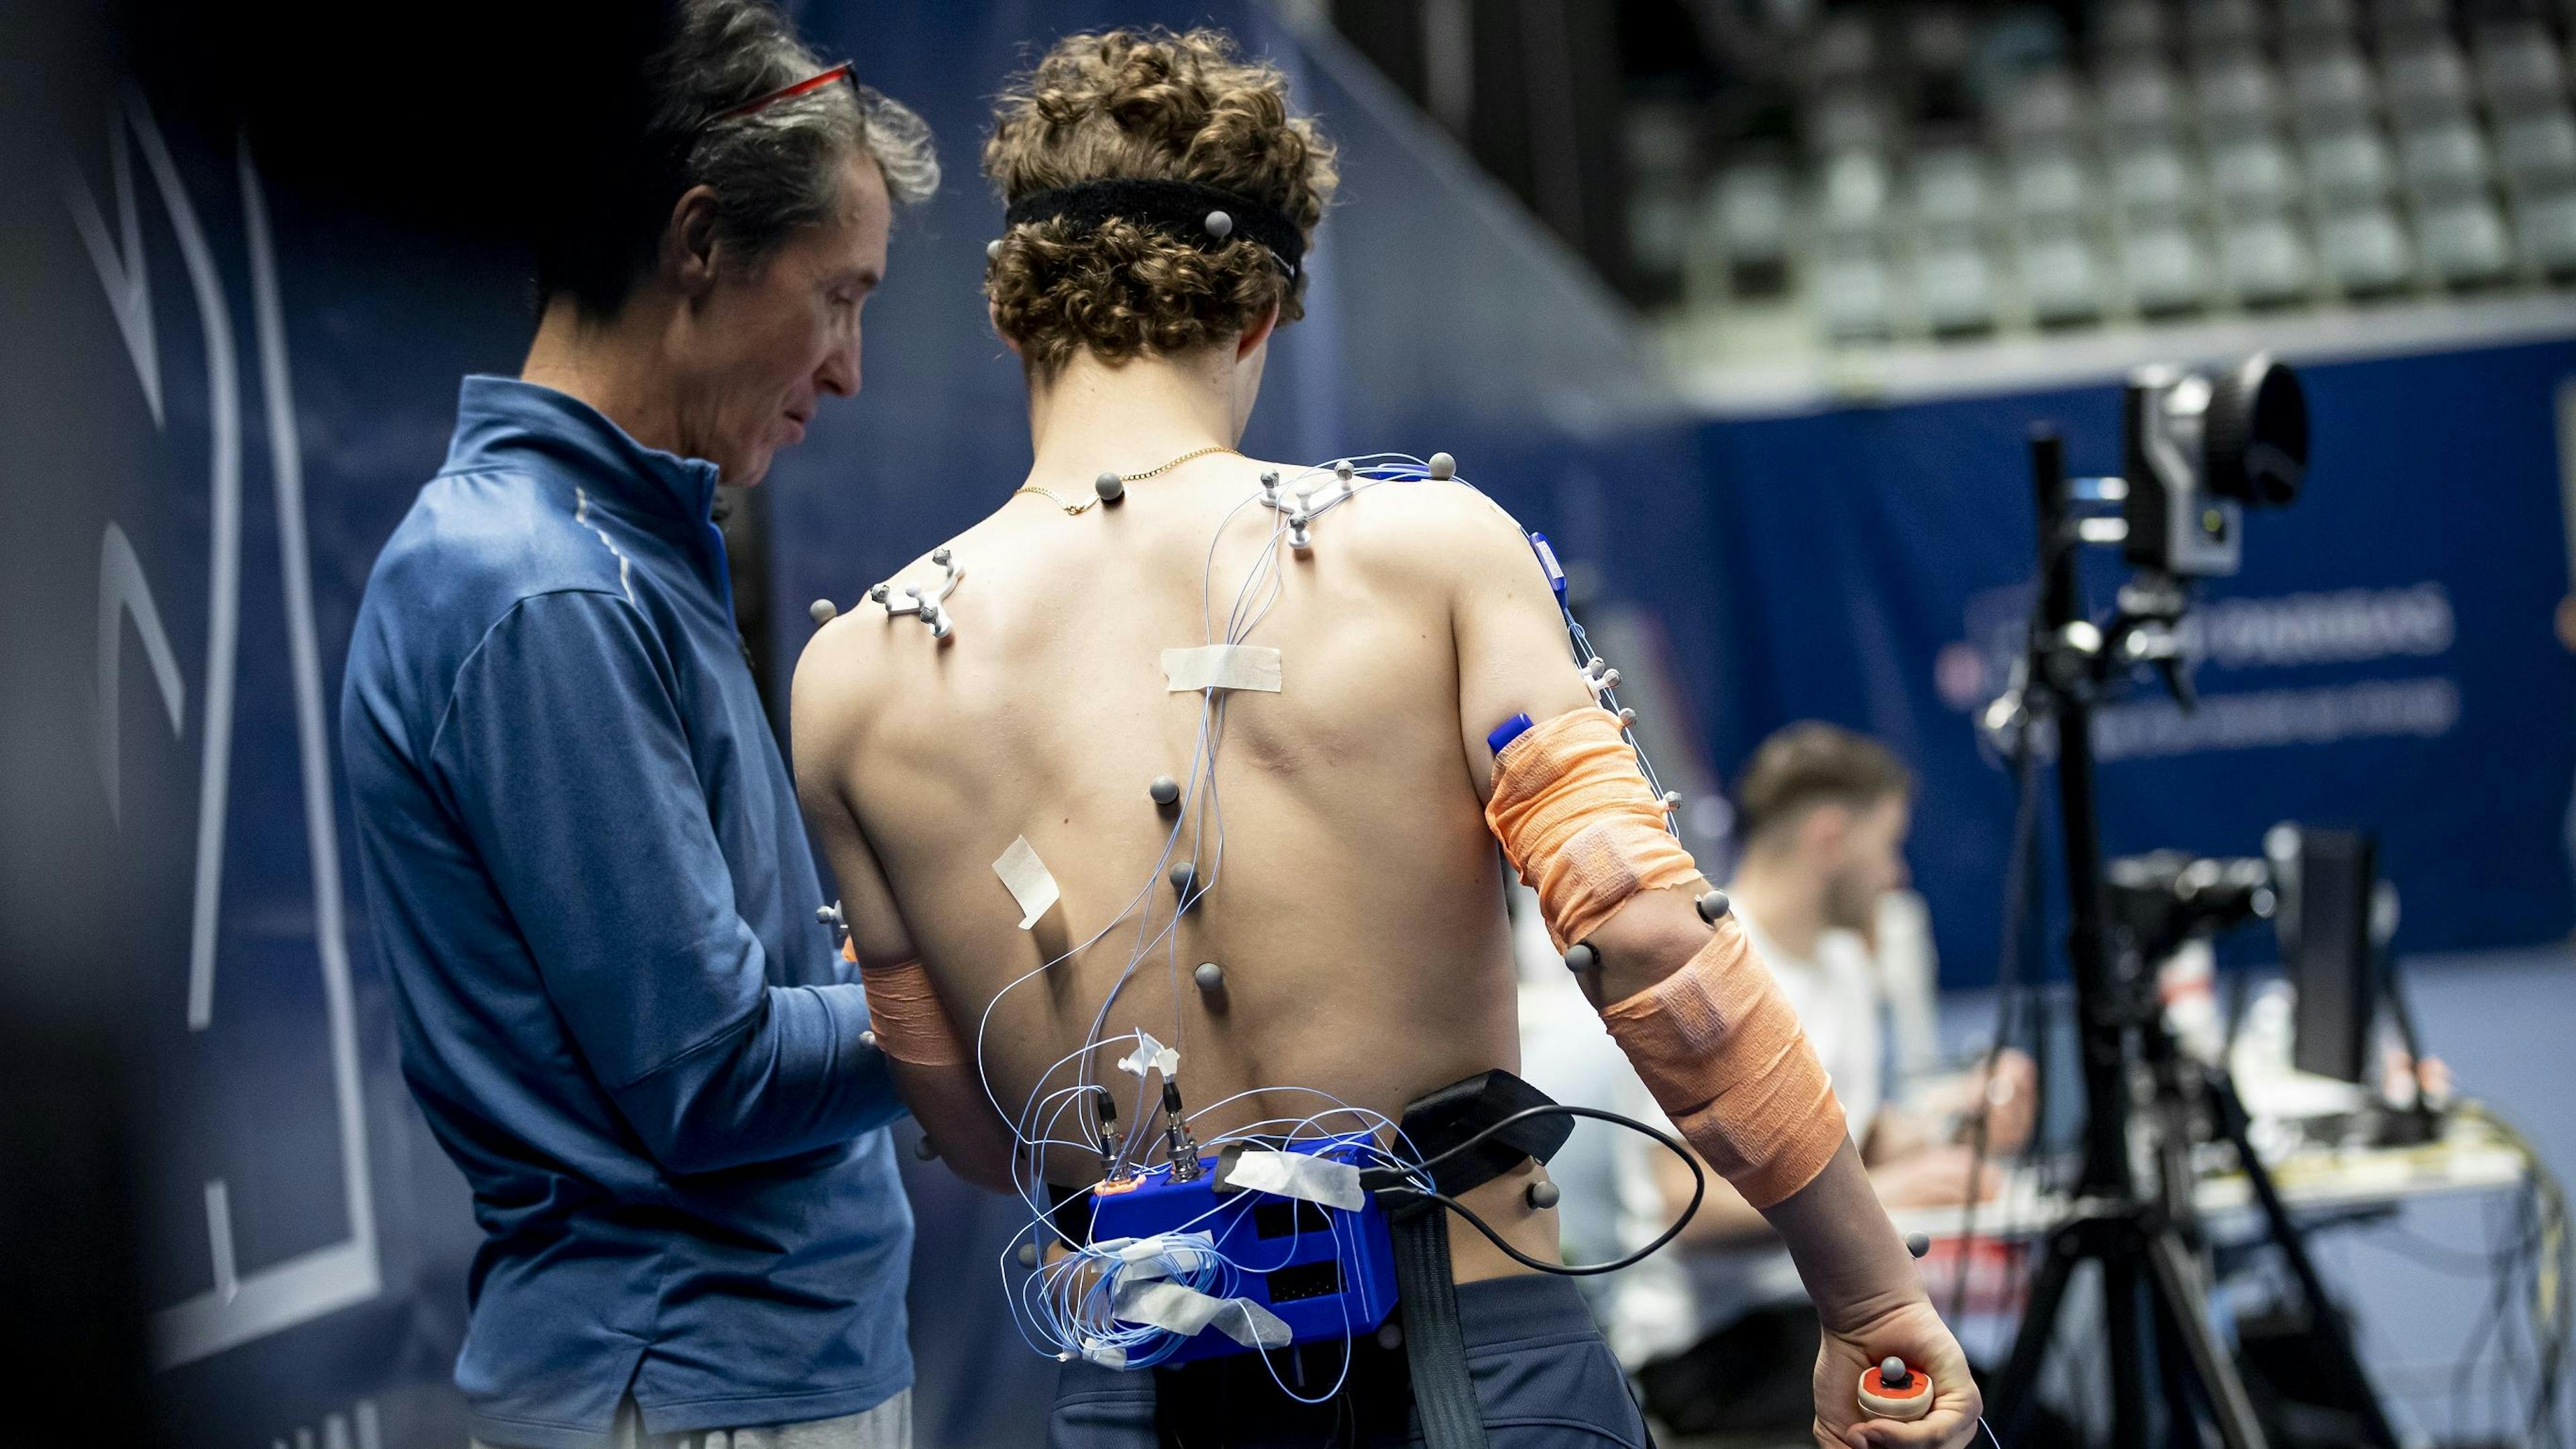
1547 560
1501 735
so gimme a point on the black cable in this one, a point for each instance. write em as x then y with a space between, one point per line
2409 1244
1699 1187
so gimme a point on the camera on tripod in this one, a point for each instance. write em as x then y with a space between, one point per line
2200 449
2166 897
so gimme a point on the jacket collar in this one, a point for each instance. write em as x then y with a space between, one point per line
497 417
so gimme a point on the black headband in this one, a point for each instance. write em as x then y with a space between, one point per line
1183 209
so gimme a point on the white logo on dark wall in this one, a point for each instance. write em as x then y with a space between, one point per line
242 1303
2279 631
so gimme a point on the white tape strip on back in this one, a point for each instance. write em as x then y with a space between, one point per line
1298 1175
1030 882
1186 1311
1222 666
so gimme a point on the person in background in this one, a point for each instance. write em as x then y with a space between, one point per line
585 871
1720 1335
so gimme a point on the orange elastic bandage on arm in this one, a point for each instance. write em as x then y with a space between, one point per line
1722 1051
1580 823
910 1024
1716 1043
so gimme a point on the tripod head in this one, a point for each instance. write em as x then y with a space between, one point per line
2166 897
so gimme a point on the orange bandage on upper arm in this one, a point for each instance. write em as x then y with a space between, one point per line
1580 823
910 1024
1722 1051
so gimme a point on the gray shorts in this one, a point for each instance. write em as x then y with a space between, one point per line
887 1426
1542 1373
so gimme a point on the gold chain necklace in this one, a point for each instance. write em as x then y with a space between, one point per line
1086 505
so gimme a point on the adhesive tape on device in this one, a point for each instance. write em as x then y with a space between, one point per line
1879 1400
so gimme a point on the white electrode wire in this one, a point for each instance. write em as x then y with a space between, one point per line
1077 1311
1064 1306
1208 813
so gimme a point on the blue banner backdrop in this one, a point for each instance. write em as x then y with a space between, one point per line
2386 659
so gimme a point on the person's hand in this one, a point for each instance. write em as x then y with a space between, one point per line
1935 1177
2012 1101
1913 1332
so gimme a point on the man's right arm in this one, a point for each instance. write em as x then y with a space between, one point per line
1513 658
564 753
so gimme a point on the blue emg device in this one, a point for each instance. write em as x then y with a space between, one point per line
1329 1273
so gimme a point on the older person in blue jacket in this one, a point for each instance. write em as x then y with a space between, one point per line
586 872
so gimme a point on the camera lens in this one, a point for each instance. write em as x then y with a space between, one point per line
2257 435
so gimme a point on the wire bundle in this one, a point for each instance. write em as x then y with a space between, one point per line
2532 1269
1066 1307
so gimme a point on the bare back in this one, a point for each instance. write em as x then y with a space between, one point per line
1353 893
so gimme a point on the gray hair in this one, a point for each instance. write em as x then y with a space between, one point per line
771 170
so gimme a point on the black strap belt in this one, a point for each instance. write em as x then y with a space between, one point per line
1426 1288
1435 1345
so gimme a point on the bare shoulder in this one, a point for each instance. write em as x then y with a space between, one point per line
1444 537
842 672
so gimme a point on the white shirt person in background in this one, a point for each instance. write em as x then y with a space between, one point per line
1716 1327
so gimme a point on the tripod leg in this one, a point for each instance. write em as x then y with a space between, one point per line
2122 1300
2178 1298
2182 1403
2332 1328
2020 1382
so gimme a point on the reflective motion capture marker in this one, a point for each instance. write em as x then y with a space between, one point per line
1210 977
1185 881
1028 1255
1443 467
822 612
993 250
1165 792
1712 909
1219 225
1110 487
925 1149
919 605
1544 1195
1581 957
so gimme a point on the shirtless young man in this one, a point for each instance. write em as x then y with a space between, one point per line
1356 911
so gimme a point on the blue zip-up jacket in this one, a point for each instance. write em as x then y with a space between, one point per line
592 895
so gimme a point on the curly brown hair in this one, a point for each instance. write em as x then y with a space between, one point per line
1150 105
